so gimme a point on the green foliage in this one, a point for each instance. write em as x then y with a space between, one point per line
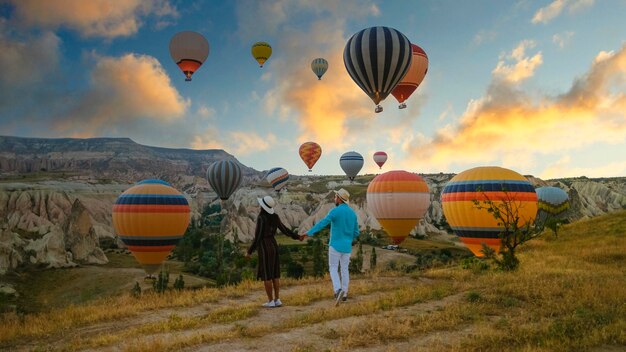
515 229
295 270
136 290
474 264
373 259
473 296
356 263
179 284
160 284
319 256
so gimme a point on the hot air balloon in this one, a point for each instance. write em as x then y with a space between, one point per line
398 199
150 218
224 176
310 153
552 200
261 51
476 226
189 50
351 163
377 58
414 76
319 67
380 158
277 178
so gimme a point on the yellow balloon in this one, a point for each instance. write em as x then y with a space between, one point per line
261 51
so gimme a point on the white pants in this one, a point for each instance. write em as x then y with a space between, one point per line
335 260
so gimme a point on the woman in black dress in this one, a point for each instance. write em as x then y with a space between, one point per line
269 264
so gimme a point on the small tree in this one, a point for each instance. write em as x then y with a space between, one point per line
356 264
318 257
136 290
515 229
160 284
373 259
179 284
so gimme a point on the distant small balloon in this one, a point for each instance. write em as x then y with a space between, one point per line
225 177
351 163
189 50
261 51
310 152
277 178
380 158
319 67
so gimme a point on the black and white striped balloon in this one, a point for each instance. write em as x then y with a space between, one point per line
377 58
224 176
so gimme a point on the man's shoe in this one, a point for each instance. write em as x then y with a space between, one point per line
345 297
338 297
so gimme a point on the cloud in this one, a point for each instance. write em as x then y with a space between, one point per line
93 18
523 66
563 168
562 39
326 110
123 91
555 8
506 123
240 143
25 64
484 37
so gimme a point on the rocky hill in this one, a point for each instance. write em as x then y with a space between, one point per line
56 196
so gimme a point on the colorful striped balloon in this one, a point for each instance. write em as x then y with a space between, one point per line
319 67
414 76
351 163
377 58
225 177
477 226
310 152
380 158
277 178
150 218
398 199
552 200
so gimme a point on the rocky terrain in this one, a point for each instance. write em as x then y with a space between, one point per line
56 196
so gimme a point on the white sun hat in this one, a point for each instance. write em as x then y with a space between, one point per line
344 195
267 203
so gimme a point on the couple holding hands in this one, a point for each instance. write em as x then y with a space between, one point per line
344 228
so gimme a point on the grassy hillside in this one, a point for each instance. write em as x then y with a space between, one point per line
569 295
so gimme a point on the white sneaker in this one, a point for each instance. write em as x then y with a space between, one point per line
277 302
269 304
338 296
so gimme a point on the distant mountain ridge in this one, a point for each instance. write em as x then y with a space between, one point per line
108 157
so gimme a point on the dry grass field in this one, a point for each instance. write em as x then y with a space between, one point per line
568 295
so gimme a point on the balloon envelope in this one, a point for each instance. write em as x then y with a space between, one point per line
552 200
261 51
277 178
150 218
189 50
414 76
377 58
310 152
319 67
380 158
477 226
398 199
224 176
351 163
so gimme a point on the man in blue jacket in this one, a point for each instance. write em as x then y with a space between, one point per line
344 228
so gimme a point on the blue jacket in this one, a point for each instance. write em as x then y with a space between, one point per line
344 227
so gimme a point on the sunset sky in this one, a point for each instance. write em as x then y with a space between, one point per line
535 86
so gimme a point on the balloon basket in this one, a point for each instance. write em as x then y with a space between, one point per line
188 79
378 109
149 278
402 106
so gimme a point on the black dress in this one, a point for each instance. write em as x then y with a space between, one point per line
265 243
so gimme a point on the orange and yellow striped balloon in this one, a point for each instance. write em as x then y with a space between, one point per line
476 226
150 218
398 199
310 152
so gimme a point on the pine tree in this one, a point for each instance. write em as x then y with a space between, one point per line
179 284
373 259
136 290
160 284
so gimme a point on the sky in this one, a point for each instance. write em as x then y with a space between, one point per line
538 87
